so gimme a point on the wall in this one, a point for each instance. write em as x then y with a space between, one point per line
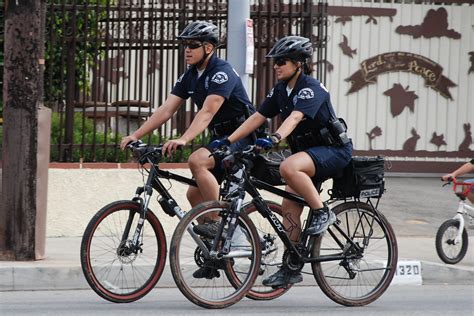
415 104
75 195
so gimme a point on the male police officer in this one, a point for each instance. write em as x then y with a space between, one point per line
216 89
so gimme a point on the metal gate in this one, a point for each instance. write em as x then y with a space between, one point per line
110 63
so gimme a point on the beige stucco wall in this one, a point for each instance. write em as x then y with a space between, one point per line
75 195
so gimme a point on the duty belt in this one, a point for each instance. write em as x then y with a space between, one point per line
226 127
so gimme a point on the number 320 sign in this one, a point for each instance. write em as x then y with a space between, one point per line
408 272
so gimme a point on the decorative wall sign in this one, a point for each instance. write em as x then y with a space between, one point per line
471 59
400 98
401 61
438 140
375 132
467 141
346 49
410 143
435 24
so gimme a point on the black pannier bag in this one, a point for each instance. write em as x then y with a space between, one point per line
266 167
362 178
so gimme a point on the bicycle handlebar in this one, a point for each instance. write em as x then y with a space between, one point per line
142 151
468 186
229 158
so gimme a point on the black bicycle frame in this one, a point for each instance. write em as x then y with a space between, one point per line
251 185
154 182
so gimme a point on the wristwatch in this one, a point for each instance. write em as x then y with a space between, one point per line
275 137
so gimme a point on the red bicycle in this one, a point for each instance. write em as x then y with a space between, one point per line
452 239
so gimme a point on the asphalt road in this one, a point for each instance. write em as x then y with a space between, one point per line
398 300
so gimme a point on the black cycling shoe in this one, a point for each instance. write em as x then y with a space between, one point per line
283 277
206 272
320 221
208 230
209 269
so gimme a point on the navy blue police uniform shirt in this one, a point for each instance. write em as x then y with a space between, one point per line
218 78
308 96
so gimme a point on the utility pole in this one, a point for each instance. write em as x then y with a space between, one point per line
239 12
22 93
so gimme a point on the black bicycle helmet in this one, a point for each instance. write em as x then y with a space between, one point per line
201 31
293 47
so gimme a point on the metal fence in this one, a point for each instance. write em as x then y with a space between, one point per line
110 63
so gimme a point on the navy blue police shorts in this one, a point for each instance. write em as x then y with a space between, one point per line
329 160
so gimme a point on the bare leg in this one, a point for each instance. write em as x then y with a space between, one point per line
470 197
207 187
194 196
291 212
297 170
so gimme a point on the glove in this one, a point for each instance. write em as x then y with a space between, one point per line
218 143
265 143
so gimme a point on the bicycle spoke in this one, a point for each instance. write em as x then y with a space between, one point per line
113 268
370 260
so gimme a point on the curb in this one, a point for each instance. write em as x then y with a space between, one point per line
70 277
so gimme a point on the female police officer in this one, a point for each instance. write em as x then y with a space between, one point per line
217 90
317 139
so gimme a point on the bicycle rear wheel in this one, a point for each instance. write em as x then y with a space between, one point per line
447 250
213 288
114 271
366 272
272 253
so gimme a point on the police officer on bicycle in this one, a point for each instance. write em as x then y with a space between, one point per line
216 89
318 140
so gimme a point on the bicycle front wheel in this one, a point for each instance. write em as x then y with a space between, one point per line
204 277
370 255
272 253
113 269
449 251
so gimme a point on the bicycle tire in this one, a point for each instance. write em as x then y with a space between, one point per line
113 275
447 251
260 292
357 282
216 291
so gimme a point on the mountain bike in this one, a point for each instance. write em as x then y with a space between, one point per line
123 249
353 262
451 238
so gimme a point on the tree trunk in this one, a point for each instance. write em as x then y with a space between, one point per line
22 91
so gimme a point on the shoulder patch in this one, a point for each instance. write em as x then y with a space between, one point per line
306 93
220 77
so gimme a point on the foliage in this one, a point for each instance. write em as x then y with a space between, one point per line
105 144
60 39
83 132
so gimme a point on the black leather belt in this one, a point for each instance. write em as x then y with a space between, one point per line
226 127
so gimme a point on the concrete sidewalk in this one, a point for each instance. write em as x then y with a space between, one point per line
415 207
61 269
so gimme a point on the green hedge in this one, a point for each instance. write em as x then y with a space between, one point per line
83 132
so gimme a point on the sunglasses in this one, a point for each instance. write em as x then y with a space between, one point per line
281 61
192 45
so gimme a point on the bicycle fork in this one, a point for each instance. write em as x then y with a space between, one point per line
460 218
